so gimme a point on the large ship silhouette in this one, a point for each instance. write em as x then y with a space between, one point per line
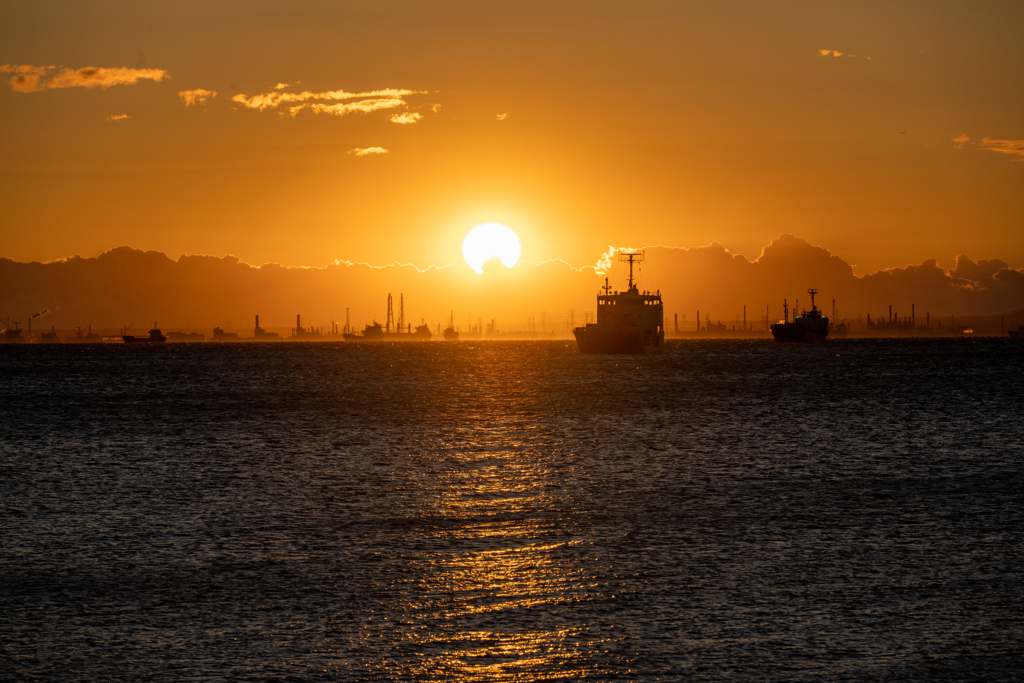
810 326
627 322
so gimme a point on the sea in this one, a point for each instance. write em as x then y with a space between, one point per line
513 511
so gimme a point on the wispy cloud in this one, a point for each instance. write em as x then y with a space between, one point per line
502 117
340 109
26 77
366 151
1011 147
960 141
30 78
280 86
406 117
117 117
836 53
271 100
194 97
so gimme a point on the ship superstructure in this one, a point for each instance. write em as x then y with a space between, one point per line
627 322
809 326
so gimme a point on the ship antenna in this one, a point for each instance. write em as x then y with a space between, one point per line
812 292
632 256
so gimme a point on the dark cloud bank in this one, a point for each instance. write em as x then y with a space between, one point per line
126 285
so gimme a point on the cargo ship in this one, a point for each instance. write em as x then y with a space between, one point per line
372 332
419 333
85 338
155 336
450 333
12 335
1017 333
627 322
810 326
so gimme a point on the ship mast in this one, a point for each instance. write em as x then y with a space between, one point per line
812 292
632 256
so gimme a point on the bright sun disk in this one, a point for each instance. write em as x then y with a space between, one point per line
488 241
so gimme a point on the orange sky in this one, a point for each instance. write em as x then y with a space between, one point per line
578 124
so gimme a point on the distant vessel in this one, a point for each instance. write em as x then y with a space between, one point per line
450 333
12 336
403 331
811 326
420 333
627 322
1017 333
186 336
220 335
372 332
50 337
840 330
155 336
88 338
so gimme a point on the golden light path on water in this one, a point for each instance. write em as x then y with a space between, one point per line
499 487
499 554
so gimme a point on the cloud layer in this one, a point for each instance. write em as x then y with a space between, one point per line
30 78
126 284
1011 147
366 151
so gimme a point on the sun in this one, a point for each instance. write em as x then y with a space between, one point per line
488 241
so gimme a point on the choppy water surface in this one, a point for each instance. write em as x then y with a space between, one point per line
512 511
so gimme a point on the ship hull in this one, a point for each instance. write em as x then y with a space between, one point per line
791 332
589 340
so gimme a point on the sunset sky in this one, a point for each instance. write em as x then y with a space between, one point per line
889 133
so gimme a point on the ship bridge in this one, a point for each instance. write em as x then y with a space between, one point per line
631 308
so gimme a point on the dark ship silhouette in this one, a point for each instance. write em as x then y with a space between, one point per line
810 326
450 333
12 335
155 336
627 322
372 332
85 338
